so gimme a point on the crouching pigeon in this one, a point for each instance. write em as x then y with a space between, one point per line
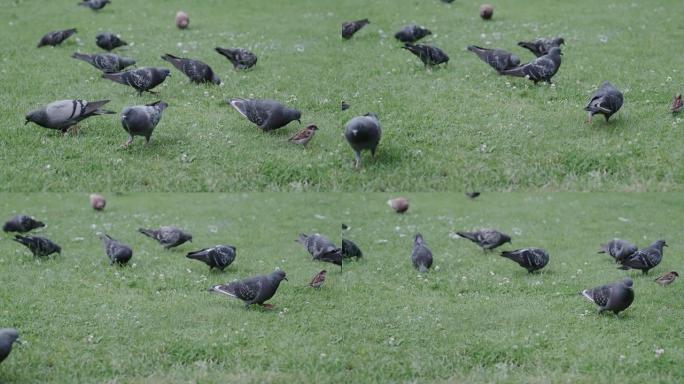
220 256
428 54
239 57
542 46
56 38
615 297
487 239
321 248
63 114
411 33
140 120
498 59
105 62
142 79
254 290
363 132
268 115
618 249
605 101
22 224
116 251
39 246
532 259
95 5
421 256
197 71
349 28
8 336
168 237
540 69
108 41
645 259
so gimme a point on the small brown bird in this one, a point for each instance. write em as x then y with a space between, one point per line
318 280
304 136
399 204
486 11
98 202
182 20
677 104
667 278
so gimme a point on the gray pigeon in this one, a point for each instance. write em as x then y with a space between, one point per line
349 28
39 246
105 62
56 38
7 337
95 5
532 259
645 258
498 59
220 256
142 79
363 132
615 297
22 224
239 57
108 41
411 33
605 101
349 248
540 69
117 251
542 46
618 249
421 256
140 120
268 115
321 248
195 70
254 290
63 114
428 54
169 237
487 239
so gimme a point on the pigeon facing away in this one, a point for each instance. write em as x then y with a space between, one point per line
498 59
117 251
140 120
220 256
239 57
344 106
363 132
318 280
142 79
349 28
540 69
606 101
667 278
428 54
618 249
254 290
105 62
63 114
39 246
95 5
532 259
56 38
268 115
169 237
195 70
542 46
488 239
304 136
645 258
421 256
321 248
677 104
108 41
22 224
411 33
615 297
7 337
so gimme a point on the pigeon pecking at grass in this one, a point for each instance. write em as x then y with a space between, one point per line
349 28
498 59
39 246
220 256
667 278
240 58
8 336
605 101
56 38
268 115
532 259
142 79
63 114
197 71
363 132
105 62
95 5
169 237
304 136
645 259
421 256
411 33
618 249
428 54
541 46
472 194
349 248
108 41
116 251
614 297
540 69
22 224
254 290
321 248
140 120
487 239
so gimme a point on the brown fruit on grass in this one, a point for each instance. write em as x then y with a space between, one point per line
98 202
182 20
399 204
486 11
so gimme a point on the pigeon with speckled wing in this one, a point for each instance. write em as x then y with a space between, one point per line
8 336
615 297
140 120
540 69
141 79
254 290
421 256
618 249
605 101
268 115
645 259
498 59
116 251
487 239
239 57
39 246
22 224
541 46
108 41
56 38
168 237
220 256
197 71
105 62
532 259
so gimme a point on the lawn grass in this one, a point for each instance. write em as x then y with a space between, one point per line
474 318
448 129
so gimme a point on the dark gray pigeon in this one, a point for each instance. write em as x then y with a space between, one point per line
239 57
56 38
428 54
645 258
195 70
614 297
117 251
421 256
321 248
363 132
108 41
349 248
63 114
532 259
254 290
349 28
142 79
411 33
140 120
268 115
22 224
105 62
498 59
95 5
542 46
540 69
487 239
39 246
220 256
7 337
618 249
169 237
605 101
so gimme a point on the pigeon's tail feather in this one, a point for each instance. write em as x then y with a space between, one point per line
174 60
224 289
467 235
116 77
302 239
422 268
239 105
87 58
226 52
624 267
588 294
517 72
474 48
147 232
604 248
527 45
20 239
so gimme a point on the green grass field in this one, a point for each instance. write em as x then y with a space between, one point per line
450 129
474 318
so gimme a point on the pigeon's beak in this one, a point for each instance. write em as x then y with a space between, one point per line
285 278
299 121
27 121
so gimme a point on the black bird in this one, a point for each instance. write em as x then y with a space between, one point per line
195 70
542 46
63 114
363 133
344 106
39 246
254 290
498 59
487 239
22 224
421 256
428 54
142 79
140 120
349 248
8 336
95 5
645 258
168 237
411 33
108 41
349 28
116 251
239 57
532 259
540 69
605 101
321 248
473 194
56 38
105 62
615 297
220 256
618 249
268 115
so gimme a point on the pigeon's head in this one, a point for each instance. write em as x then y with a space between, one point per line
160 105
164 72
39 117
58 249
418 239
555 51
279 275
126 61
293 114
514 60
659 244
506 239
215 79
102 37
628 282
372 115
558 41
8 336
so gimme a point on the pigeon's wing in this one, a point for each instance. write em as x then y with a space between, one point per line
350 249
169 236
254 111
489 238
246 290
222 256
599 295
